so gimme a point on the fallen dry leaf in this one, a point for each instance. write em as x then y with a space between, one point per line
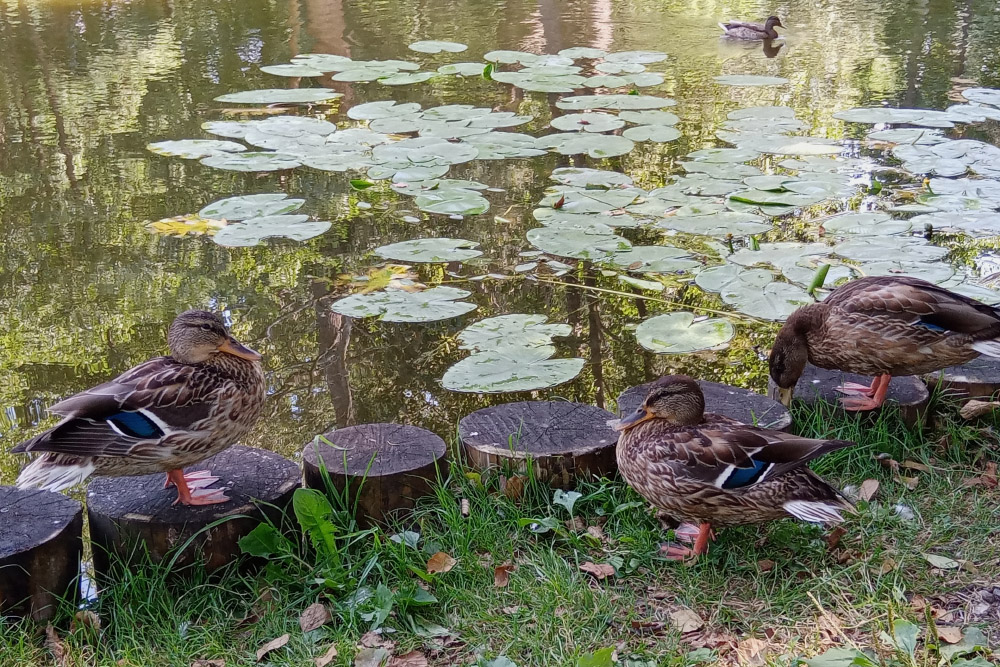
917 603
887 462
372 639
576 524
327 657
411 659
751 651
218 662
988 479
598 534
913 465
371 657
56 646
646 627
909 482
315 616
765 565
833 539
510 611
975 408
950 634
85 619
602 571
440 563
686 620
272 645
869 488
501 574
888 565
512 487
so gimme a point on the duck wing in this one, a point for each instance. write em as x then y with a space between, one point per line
737 25
139 407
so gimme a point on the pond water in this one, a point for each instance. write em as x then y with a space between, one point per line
87 287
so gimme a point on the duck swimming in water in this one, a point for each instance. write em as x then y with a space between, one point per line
742 30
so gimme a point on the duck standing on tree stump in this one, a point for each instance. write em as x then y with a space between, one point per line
715 471
742 30
882 326
165 414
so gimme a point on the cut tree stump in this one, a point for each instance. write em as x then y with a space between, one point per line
386 467
564 440
979 378
134 514
819 384
734 402
41 542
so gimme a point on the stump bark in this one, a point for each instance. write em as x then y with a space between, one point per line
383 467
734 402
41 541
979 378
819 385
134 514
564 440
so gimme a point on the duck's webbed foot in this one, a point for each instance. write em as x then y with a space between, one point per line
190 488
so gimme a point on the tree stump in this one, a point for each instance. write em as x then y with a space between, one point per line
819 385
41 541
135 514
564 440
385 467
734 402
979 378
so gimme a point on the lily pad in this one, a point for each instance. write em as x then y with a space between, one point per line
589 200
679 333
423 151
324 62
655 259
775 302
594 145
497 119
194 149
909 135
510 370
251 161
717 224
397 305
935 272
614 102
415 173
622 80
253 231
507 331
291 70
551 217
974 223
504 145
582 52
989 96
280 96
643 57
382 109
591 244
585 178
405 78
750 80
721 170
587 122
649 117
436 46
724 155
619 67
656 133
461 69
457 201
866 224
894 116
250 206
430 250
732 278
877 248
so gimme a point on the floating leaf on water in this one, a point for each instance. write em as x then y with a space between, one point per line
186 224
457 201
430 250
619 67
505 331
877 248
935 272
655 133
717 224
594 145
450 129
893 116
437 46
780 144
678 333
498 119
768 197
768 182
194 149
291 70
777 254
251 206
570 199
909 135
721 170
338 162
776 301
587 122
294 126
551 217
655 259
324 62
579 244
461 69
951 158
972 113
405 78
974 223
396 305
504 145
505 57
410 173
251 161
582 52
382 109
642 57
750 80
253 231
424 151
621 80
732 278
989 96
614 102
649 117
509 370
724 155
866 224
584 177
280 96
540 81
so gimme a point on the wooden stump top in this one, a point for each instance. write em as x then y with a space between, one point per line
30 517
977 378
722 399
247 475
390 449
538 428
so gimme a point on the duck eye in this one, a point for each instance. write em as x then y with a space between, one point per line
206 327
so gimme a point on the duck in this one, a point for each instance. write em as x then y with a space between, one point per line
160 416
882 326
709 471
742 30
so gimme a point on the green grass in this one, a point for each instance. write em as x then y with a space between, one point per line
776 590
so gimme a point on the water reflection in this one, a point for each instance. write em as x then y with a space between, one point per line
86 291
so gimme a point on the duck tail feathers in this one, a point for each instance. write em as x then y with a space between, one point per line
815 511
49 475
991 348
723 27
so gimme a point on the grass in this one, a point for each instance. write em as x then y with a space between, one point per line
763 595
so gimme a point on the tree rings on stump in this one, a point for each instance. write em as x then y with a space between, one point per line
564 440
736 403
820 385
40 547
130 515
385 467
979 378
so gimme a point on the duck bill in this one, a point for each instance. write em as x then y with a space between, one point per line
784 396
633 419
237 349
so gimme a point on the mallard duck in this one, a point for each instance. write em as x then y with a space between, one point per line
714 471
741 30
162 415
882 326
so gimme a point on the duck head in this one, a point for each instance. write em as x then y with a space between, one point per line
675 399
791 351
199 335
772 22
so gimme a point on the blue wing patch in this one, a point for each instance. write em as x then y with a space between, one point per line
741 477
135 424
931 326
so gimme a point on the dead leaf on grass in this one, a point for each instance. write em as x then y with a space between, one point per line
411 659
909 482
765 565
218 662
315 616
327 657
646 627
599 571
913 465
576 524
372 639
512 487
751 651
975 408
941 562
85 619
440 563
888 565
887 461
686 620
371 657
510 611
988 479
501 574
949 634
272 645
598 534
60 655
833 539
869 488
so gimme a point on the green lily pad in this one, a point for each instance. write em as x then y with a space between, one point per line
894 116
324 62
382 109
580 244
655 259
649 117
935 272
194 149
679 333
461 69
989 96
974 223
504 145
497 119
656 133
251 161
291 70
587 122
505 57
551 217
769 197
732 278
582 177
423 151
436 46
582 52
405 78
338 162
253 231
877 248
866 224
614 102
294 126
457 201
250 206
594 145
780 144
750 80
768 182
541 81
909 135
619 67
430 250
409 173
510 370
640 80
777 254
396 305
450 129
593 200
724 155
775 302
972 113
280 96
717 224
641 57
235 129
507 331
722 170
